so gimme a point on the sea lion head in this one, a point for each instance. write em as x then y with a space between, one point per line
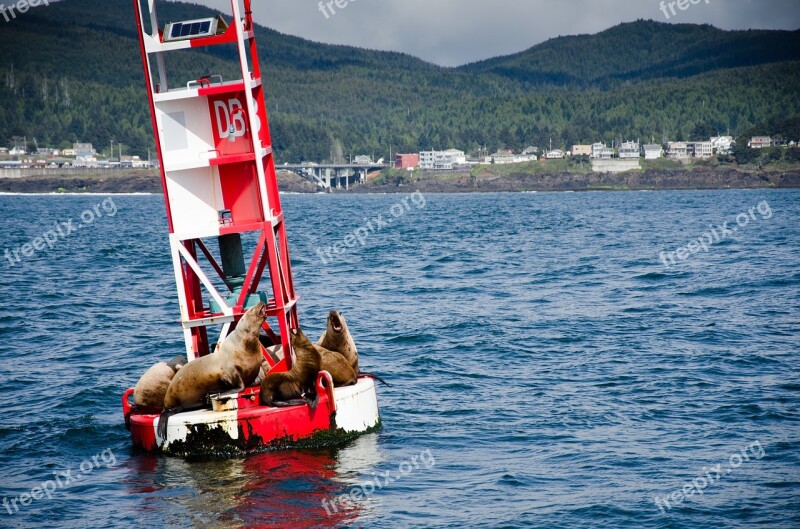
337 338
177 362
300 340
254 318
307 356
337 325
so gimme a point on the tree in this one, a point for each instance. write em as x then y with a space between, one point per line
337 153
703 131
793 155
743 153
774 154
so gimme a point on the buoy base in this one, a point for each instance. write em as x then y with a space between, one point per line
237 424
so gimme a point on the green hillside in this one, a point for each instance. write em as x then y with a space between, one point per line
71 71
643 50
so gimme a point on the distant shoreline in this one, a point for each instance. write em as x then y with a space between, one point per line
148 182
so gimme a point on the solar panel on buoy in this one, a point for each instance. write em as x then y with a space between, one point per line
190 29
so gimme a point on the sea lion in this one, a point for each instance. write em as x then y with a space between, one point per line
332 362
152 387
231 368
337 365
299 382
337 338
276 353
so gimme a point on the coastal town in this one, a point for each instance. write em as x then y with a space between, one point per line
81 155
614 158
621 157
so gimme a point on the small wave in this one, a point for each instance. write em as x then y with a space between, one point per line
510 480
710 291
414 339
651 276
425 361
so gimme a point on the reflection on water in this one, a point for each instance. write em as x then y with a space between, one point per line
272 490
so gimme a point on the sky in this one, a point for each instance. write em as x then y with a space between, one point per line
456 32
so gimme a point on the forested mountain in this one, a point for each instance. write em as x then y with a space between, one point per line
71 71
642 50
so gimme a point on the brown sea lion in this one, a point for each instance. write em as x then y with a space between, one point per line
152 387
337 365
233 367
276 353
299 382
337 338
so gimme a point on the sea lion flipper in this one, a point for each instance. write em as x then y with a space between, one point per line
376 377
288 403
312 402
163 421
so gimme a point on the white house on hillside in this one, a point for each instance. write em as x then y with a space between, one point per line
629 149
722 144
601 152
759 142
652 152
441 160
701 149
503 158
678 150
426 159
454 156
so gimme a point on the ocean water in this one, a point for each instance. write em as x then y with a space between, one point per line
546 368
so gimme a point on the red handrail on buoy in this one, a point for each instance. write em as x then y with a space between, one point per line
127 408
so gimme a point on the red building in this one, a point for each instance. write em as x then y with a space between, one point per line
406 161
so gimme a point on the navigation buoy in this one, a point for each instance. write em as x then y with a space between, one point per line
219 182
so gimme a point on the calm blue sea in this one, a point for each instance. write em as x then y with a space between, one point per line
546 368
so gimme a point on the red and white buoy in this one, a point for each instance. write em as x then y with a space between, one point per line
219 181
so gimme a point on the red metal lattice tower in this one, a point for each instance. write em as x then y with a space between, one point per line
218 177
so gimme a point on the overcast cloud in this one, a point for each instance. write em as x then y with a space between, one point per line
454 32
